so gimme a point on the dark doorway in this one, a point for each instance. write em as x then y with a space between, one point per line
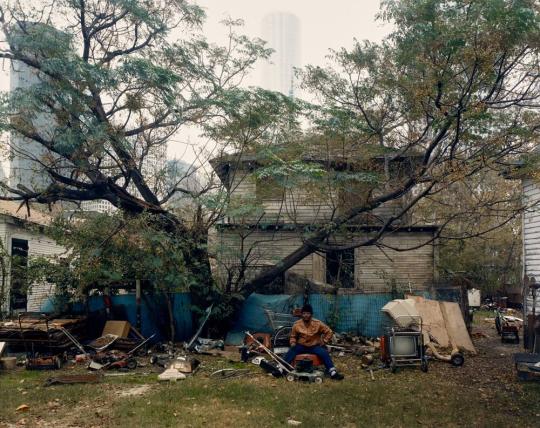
340 268
19 265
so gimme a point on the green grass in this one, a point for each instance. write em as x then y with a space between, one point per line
441 397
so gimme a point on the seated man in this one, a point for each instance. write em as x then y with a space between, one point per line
308 336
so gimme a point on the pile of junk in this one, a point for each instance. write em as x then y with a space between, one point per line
41 342
415 331
37 341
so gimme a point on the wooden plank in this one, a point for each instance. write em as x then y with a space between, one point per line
432 319
455 326
319 267
118 328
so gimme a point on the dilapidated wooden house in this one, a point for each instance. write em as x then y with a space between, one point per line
273 213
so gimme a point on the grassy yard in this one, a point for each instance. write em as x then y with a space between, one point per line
482 393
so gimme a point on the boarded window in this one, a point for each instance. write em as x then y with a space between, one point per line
340 268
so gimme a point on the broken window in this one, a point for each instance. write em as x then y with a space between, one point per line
340 268
19 264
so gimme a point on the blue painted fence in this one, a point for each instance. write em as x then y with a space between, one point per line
154 314
357 313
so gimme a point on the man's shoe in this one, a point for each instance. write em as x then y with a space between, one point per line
336 376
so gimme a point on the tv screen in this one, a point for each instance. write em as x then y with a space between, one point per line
403 346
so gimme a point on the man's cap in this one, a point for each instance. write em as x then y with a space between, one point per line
307 308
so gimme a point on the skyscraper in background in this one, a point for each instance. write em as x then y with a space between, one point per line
282 32
22 160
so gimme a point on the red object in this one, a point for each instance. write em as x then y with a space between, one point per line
81 358
384 350
264 338
314 358
107 301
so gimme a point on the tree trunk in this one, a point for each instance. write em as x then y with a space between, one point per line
268 275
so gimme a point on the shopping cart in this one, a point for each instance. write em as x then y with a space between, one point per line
281 325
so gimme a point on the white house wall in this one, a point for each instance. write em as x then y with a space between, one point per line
531 235
38 245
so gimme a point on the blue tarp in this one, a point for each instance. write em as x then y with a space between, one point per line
154 314
356 313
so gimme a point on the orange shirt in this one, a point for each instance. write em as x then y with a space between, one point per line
313 333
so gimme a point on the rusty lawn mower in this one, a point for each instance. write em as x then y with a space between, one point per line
283 368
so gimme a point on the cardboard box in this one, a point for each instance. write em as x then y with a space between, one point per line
118 328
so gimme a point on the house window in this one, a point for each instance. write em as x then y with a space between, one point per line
340 268
19 264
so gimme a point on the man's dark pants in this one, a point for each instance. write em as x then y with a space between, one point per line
321 352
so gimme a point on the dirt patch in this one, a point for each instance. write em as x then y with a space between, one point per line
136 391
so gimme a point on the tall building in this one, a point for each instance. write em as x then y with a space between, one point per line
23 159
282 32
184 175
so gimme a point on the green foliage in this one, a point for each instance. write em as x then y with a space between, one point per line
105 250
483 242
256 118
4 266
491 262
290 171
450 92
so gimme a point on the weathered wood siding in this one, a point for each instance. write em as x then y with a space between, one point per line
377 268
258 249
300 204
374 270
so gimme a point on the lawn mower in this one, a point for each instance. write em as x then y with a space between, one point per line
304 372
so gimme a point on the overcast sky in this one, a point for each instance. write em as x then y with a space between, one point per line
323 25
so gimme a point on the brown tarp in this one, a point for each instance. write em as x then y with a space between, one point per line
444 323
432 320
455 325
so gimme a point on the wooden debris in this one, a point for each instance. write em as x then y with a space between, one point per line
117 328
455 325
432 320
